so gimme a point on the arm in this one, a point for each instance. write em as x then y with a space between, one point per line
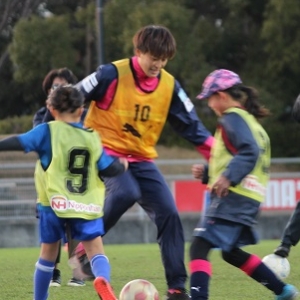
37 139
200 171
11 143
239 140
97 86
184 120
111 166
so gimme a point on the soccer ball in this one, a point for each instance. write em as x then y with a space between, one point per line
139 289
279 265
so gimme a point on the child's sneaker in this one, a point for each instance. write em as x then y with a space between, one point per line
56 280
289 293
75 282
104 289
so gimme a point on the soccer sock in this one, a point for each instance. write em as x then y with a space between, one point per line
42 277
199 279
100 266
257 270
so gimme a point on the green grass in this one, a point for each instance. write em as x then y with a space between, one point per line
135 261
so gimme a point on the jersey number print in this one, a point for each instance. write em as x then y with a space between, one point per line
78 166
142 113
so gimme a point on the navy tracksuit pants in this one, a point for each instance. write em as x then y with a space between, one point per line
291 234
143 183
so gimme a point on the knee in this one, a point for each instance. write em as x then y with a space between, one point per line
199 249
236 257
124 191
227 256
195 245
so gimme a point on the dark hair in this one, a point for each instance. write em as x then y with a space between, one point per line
64 73
66 98
156 40
249 98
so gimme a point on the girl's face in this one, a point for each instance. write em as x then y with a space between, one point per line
149 64
221 101
217 103
57 81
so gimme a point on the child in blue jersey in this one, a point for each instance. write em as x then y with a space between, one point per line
54 79
237 174
72 160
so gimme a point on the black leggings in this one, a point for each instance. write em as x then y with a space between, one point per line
200 249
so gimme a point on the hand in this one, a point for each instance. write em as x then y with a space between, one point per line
197 171
124 162
220 187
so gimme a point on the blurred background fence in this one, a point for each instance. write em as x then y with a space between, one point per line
18 199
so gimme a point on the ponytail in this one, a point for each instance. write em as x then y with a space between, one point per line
249 98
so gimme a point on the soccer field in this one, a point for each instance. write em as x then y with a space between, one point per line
136 261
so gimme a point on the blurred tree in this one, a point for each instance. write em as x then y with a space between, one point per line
256 38
11 99
38 46
281 35
10 12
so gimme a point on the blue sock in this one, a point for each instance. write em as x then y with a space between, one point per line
100 266
42 277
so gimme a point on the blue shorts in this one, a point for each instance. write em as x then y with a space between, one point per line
52 228
225 234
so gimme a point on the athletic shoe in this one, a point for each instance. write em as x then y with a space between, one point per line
289 293
283 250
178 294
81 263
56 280
75 282
104 289
86 267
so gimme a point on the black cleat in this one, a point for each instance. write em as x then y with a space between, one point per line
282 250
56 280
178 294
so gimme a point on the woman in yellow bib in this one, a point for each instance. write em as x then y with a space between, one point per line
132 99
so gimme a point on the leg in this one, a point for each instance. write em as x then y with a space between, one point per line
200 268
291 234
51 229
121 193
72 244
158 202
256 269
44 270
101 268
56 278
90 231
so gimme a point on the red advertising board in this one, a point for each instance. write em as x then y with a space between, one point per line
282 194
